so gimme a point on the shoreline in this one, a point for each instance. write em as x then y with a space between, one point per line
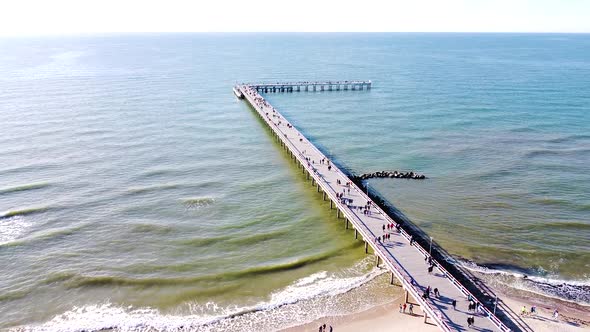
380 318
572 317
386 317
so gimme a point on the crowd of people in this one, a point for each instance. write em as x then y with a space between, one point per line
257 98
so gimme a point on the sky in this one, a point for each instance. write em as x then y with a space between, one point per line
41 17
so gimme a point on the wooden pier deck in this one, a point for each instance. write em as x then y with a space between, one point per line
407 262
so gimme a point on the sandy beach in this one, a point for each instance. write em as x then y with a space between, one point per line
570 319
388 318
382 318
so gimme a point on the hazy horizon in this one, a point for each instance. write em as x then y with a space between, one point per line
67 17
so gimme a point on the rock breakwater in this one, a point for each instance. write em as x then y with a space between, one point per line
392 174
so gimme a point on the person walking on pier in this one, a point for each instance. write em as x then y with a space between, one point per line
454 303
411 309
405 306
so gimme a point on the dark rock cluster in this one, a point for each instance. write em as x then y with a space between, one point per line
394 174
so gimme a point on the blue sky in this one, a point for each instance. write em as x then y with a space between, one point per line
31 17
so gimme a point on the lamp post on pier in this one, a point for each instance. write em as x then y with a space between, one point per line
430 250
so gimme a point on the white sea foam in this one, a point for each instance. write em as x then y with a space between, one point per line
546 280
311 278
575 291
107 316
316 285
304 300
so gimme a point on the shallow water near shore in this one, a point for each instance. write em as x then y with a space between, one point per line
133 183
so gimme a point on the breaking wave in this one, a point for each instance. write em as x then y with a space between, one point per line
304 300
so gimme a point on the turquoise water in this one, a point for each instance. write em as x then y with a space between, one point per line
133 183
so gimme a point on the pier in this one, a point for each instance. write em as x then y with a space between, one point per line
407 262
310 86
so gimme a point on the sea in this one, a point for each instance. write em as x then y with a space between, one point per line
137 193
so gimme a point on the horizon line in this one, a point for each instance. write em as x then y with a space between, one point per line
64 34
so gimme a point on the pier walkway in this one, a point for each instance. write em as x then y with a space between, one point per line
311 86
407 261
